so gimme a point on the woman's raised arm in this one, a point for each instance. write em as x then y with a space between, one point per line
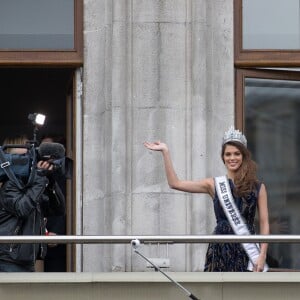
193 186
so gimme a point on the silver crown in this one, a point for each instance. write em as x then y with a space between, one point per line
234 135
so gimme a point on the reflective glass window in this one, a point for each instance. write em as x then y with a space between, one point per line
36 24
272 126
271 24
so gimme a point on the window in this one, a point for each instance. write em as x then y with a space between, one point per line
267 32
268 109
41 32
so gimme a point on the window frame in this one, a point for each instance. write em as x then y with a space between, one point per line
259 57
73 57
242 74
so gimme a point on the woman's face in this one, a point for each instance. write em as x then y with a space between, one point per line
233 158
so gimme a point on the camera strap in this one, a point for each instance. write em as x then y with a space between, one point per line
6 166
33 167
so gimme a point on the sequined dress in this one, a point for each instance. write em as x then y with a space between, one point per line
231 257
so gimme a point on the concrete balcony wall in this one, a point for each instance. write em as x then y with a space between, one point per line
149 285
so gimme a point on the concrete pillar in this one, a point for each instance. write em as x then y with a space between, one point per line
153 69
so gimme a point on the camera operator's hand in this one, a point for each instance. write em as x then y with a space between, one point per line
45 165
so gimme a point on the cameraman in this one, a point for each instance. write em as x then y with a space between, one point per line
22 212
55 259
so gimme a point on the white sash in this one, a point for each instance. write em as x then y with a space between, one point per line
235 219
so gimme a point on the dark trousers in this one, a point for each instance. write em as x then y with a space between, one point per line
6 266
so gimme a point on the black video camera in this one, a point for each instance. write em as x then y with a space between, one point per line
22 164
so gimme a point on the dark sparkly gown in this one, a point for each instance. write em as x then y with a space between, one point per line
231 257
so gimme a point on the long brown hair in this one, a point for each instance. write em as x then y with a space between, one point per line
245 179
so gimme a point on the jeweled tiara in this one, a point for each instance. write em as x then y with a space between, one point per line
234 135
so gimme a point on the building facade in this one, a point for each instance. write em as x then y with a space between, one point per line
111 74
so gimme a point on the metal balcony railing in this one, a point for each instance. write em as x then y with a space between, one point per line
162 239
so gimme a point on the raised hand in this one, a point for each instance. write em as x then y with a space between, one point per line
156 146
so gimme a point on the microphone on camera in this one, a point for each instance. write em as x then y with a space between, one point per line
51 150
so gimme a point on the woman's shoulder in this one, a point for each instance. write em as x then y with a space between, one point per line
259 184
259 187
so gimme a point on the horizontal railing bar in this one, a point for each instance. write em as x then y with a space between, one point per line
163 239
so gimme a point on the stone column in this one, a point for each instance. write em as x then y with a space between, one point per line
153 70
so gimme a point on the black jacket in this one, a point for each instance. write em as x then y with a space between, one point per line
22 212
